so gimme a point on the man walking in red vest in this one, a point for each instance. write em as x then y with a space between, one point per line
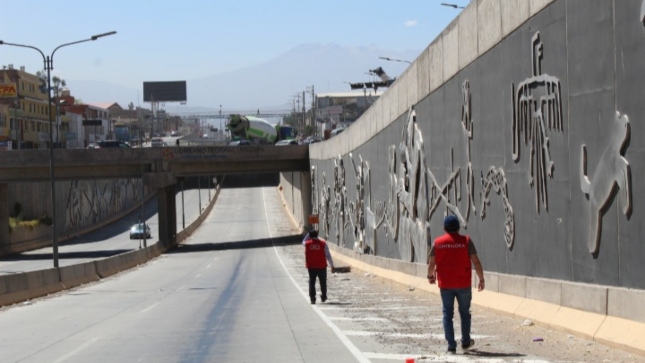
316 257
451 256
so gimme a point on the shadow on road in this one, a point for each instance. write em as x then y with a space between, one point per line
259 243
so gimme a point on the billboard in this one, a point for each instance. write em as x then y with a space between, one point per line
171 91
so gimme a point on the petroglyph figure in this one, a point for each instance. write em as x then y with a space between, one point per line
467 123
496 180
324 210
314 190
340 200
612 172
537 108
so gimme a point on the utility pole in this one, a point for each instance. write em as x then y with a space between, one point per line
313 110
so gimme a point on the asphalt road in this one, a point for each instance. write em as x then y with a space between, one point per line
236 292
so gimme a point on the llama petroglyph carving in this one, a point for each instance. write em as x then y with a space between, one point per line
612 172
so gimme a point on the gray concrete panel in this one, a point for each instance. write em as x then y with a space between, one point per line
630 76
435 51
585 297
544 290
468 36
489 22
514 13
450 50
535 6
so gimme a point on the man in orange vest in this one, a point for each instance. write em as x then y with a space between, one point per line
451 257
316 257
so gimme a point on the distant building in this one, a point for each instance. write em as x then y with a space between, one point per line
341 109
28 111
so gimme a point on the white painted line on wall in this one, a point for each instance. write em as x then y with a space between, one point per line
360 357
75 351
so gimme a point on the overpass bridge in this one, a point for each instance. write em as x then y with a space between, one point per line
159 168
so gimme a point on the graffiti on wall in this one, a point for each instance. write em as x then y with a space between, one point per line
91 201
612 173
537 109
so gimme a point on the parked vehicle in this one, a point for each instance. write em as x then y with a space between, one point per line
239 142
105 144
337 131
157 142
286 142
139 230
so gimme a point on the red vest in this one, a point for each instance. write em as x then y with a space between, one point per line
315 253
453 261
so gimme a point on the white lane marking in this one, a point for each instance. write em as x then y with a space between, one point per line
73 352
197 276
343 338
444 358
424 308
343 318
362 333
150 307
209 266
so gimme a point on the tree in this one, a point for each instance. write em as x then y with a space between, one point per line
57 83
130 106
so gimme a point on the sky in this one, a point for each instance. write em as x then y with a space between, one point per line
172 40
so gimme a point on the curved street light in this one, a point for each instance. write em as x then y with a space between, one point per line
453 6
394 60
49 65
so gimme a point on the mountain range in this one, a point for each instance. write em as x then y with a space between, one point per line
269 85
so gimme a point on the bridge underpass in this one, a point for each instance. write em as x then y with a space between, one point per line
159 168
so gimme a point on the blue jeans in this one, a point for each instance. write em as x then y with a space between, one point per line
464 296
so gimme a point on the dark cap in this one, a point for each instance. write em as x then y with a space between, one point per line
451 223
313 233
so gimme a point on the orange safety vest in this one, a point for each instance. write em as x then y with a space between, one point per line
315 253
453 261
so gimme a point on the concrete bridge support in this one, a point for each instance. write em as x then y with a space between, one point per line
4 214
167 215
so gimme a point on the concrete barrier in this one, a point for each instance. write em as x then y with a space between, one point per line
78 274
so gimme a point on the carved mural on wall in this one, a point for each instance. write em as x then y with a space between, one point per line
414 194
537 108
91 201
340 198
612 173
496 180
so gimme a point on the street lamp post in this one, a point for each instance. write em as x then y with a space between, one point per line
452 6
49 65
394 60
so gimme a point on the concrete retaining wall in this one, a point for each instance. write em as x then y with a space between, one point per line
523 119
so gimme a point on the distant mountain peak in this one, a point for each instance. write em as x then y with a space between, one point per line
270 84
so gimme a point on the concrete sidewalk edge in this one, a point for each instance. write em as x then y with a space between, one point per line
607 330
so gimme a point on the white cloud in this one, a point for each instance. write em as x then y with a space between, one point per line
411 23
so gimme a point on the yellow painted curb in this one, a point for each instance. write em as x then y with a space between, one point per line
623 334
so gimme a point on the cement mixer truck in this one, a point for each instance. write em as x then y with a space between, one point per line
258 130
